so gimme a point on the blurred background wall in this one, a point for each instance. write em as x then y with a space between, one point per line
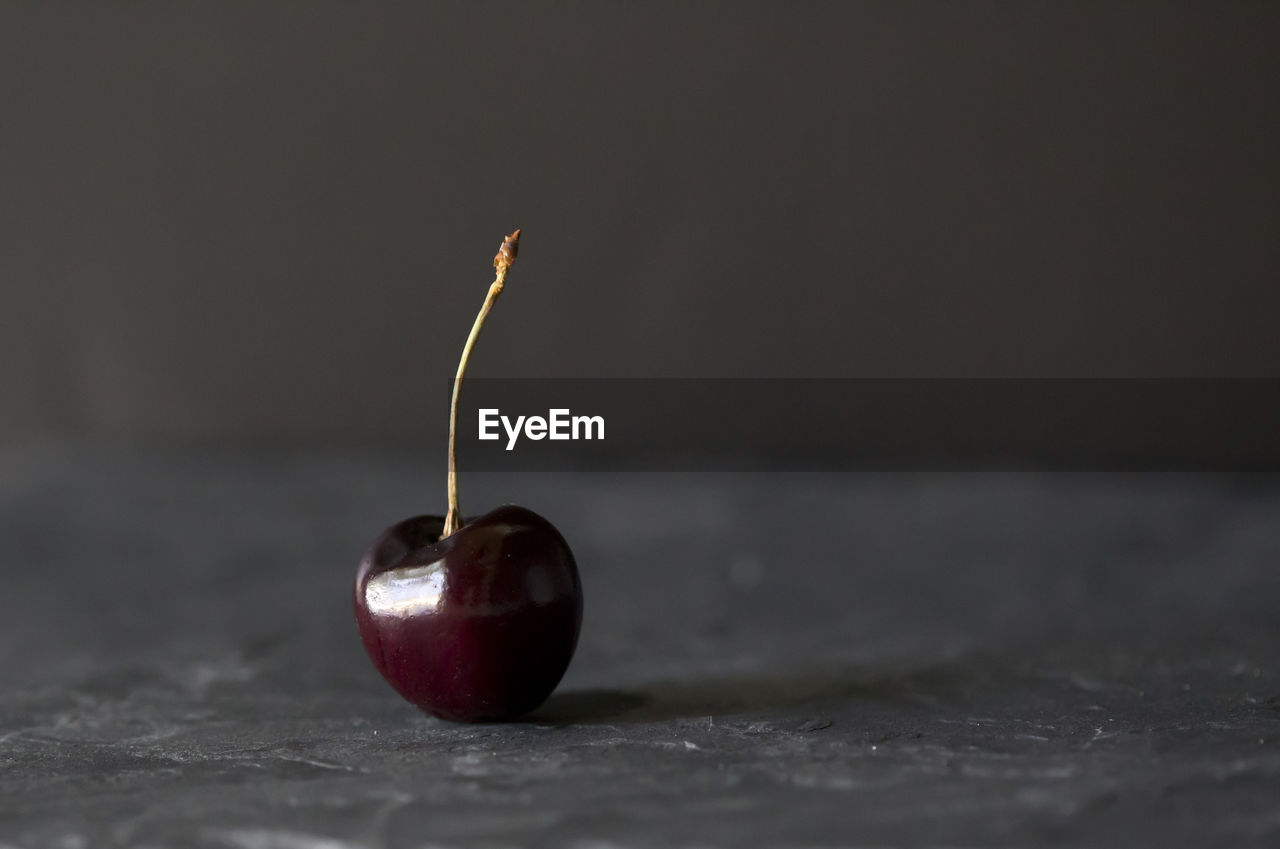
276 219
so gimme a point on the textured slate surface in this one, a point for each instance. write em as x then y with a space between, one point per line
791 660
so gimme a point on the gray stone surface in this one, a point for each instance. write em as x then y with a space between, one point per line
783 660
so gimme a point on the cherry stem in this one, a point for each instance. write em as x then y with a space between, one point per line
505 258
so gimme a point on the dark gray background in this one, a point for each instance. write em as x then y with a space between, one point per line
275 220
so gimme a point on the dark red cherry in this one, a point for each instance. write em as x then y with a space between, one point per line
478 626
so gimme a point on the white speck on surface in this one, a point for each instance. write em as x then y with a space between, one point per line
472 764
200 676
266 838
315 763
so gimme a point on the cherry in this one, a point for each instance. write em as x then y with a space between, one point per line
471 621
479 625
